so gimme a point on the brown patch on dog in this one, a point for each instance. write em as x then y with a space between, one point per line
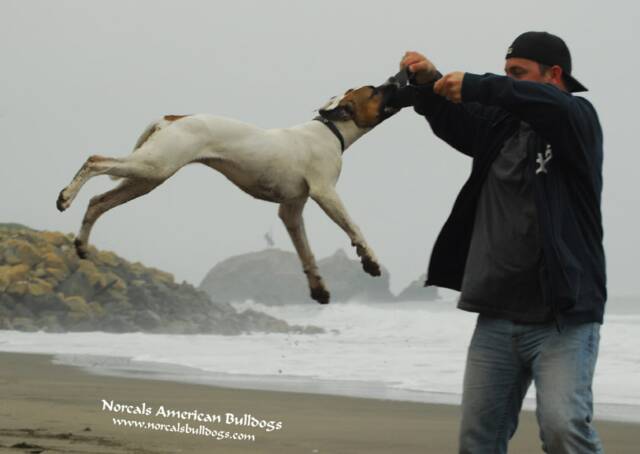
145 136
363 105
174 117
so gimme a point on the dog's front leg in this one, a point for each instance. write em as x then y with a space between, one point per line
291 215
330 202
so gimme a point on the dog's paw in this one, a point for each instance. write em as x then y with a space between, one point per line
321 295
63 202
81 249
371 266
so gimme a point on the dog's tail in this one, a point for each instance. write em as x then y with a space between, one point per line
148 132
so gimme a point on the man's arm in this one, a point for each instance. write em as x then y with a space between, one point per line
545 107
457 125
569 123
556 115
460 125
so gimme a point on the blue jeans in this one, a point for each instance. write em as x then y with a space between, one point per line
502 360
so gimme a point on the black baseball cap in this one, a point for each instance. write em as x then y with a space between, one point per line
547 49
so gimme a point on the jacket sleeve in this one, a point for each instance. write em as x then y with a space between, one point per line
460 125
557 116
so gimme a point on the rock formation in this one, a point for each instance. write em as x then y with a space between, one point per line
43 285
273 276
416 291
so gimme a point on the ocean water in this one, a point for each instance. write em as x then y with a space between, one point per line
400 351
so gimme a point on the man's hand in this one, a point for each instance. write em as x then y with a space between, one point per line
422 68
450 86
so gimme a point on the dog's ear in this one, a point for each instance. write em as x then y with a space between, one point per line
340 113
337 110
331 104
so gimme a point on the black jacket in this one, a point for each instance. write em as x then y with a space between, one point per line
568 183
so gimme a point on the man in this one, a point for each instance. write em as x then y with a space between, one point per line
523 243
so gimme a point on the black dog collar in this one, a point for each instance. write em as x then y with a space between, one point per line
334 129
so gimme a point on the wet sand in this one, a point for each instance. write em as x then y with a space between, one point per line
50 408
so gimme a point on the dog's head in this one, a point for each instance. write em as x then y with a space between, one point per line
365 106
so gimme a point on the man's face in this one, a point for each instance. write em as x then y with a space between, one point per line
525 69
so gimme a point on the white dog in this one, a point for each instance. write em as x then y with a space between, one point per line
285 166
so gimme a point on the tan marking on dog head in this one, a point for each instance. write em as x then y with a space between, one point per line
174 117
362 105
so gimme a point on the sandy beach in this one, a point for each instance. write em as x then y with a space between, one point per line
46 407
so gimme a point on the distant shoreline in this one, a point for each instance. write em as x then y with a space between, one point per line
126 367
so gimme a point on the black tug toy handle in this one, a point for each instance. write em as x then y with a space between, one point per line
407 88
401 79
404 77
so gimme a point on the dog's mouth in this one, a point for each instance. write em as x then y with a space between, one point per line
386 110
389 89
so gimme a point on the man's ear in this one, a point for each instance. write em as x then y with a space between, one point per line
556 74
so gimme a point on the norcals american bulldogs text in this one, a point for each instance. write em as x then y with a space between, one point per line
144 409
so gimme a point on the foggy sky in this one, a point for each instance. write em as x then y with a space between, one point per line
85 77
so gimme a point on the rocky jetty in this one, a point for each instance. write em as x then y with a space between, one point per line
347 281
44 286
273 276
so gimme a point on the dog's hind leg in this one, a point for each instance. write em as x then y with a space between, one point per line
87 171
330 202
127 190
291 215
132 166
